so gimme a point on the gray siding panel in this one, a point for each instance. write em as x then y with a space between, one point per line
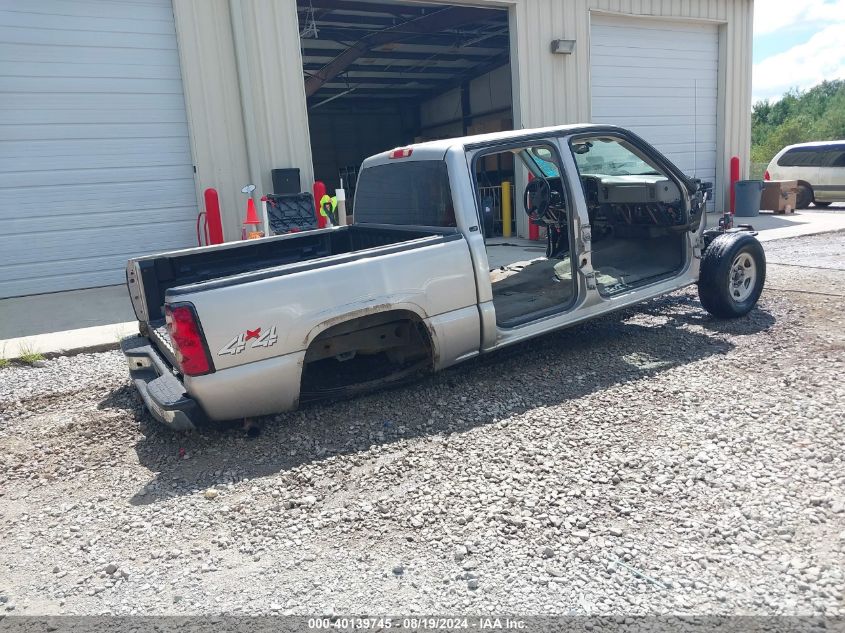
95 155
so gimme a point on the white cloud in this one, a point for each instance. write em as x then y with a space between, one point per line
802 66
774 15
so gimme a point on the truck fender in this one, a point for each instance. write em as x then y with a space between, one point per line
377 313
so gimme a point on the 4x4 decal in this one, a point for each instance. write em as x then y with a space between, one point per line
258 336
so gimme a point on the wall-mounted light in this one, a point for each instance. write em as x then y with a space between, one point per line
563 47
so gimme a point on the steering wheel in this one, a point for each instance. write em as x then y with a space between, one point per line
537 198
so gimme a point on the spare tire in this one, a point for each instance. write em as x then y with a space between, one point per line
733 271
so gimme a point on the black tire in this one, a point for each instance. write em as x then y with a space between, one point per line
722 288
822 204
805 196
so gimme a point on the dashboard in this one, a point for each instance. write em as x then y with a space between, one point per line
626 205
616 203
630 190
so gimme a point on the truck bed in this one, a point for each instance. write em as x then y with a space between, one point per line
150 277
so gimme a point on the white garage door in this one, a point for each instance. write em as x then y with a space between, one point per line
659 79
95 163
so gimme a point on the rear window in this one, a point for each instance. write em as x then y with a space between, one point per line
803 157
414 193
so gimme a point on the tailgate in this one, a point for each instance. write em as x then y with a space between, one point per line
160 338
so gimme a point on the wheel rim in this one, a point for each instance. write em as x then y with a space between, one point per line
743 277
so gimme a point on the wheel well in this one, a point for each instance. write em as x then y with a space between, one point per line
366 351
374 326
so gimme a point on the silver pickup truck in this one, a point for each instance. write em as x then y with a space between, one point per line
424 279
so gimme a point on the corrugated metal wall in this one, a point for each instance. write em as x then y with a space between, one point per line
275 87
213 102
556 88
262 43
246 99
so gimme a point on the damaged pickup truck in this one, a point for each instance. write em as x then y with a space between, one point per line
421 280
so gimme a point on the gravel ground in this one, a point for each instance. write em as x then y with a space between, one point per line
654 461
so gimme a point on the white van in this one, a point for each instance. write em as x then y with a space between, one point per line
818 167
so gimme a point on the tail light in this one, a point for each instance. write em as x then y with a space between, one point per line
767 176
187 339
402 152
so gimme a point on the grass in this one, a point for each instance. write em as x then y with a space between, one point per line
29 355
4 362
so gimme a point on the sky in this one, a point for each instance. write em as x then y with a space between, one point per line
797 43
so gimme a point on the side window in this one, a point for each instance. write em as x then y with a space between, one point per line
820 156
835 157
803 157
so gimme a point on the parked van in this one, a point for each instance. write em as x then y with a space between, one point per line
818 167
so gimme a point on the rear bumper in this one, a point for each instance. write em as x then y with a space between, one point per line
162 392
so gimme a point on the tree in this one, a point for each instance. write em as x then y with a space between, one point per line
817 114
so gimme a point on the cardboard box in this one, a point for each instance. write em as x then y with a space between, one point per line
779 196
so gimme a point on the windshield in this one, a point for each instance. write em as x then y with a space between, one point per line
412 192
609 157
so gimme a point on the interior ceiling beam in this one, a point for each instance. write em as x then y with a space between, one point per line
435 43
368 7
396 83
434 22
399 34
355 23
410 71
316 58
370 93
333 19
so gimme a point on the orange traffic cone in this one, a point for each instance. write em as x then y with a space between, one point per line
251 220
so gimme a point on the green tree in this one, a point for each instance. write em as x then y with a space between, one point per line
817 114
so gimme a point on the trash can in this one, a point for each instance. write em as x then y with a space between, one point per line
748 193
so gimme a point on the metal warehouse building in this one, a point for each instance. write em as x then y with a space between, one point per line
115 115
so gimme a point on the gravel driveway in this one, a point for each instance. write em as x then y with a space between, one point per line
652 461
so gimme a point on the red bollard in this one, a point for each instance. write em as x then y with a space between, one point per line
734 179
319 190
212 216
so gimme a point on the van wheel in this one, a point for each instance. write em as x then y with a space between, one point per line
733 271
805 196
